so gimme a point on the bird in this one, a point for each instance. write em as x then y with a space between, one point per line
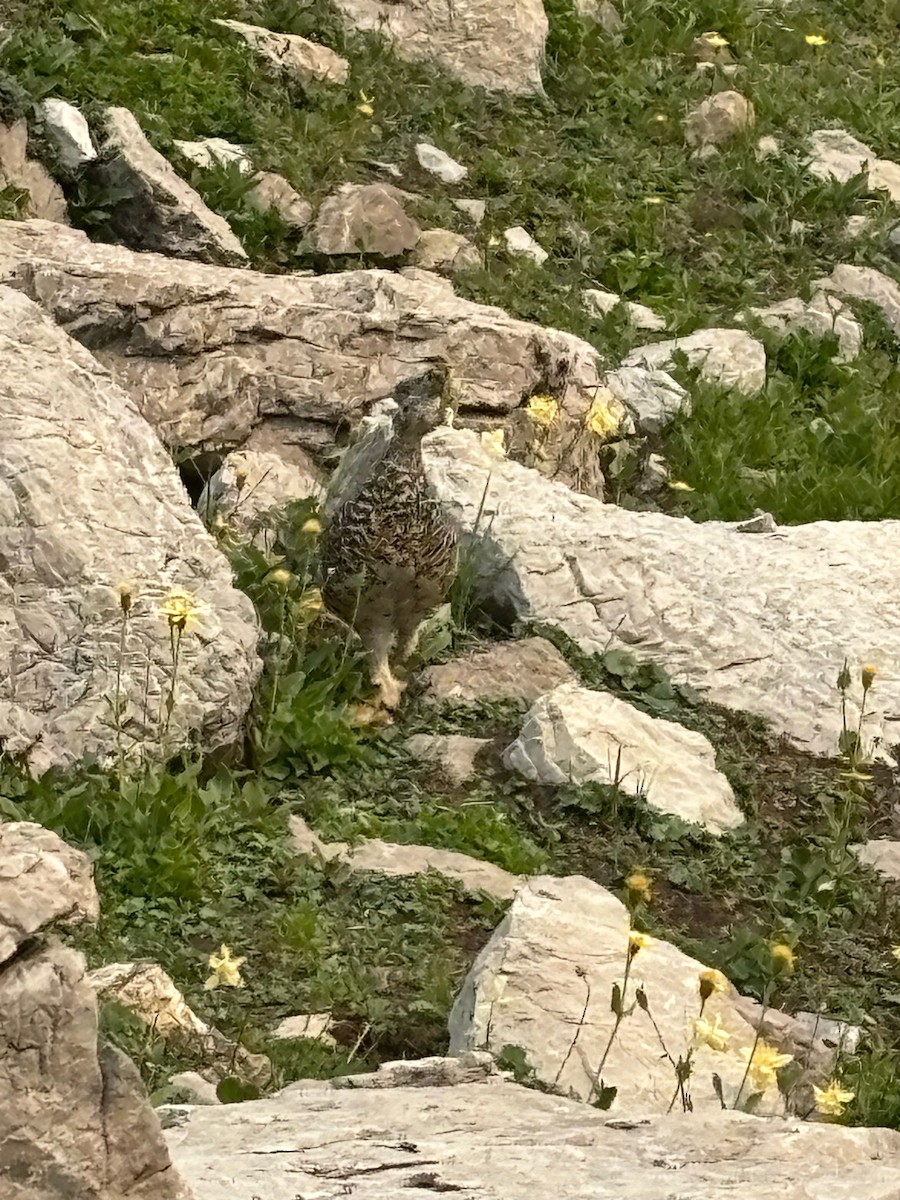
389 551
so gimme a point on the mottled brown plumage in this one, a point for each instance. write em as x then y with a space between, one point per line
389 551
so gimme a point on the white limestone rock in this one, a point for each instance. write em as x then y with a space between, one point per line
823 316
42 196
69 133
442 250
153 208
730 357
390 858
438 162
367 218
719 119
653 397
865 283
558 952
577 735
453 753
495 1140
600 302
836 154
522 670
250 484
519 241
297 56
758 622
493 44
89 500
213 152
272 191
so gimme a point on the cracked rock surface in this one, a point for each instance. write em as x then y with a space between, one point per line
209 353
89 500
75 1121
493 1140
759 622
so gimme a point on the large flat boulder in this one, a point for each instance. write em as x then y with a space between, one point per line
89 500
494 44
547 975
756 621
74 1117
497 1141
208 353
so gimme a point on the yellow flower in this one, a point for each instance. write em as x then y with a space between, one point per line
830 1101
660 117
868 677
603 416
712 1033
281 577
815 39
638 885
714 39
240 478
764 1062
225 970
182 610
712 981
543 411
896 952
783 956
636 942
493 442
311 600
366 107
311 526
125 592
678 485
654 200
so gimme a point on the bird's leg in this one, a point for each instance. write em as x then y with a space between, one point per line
390 689
407 641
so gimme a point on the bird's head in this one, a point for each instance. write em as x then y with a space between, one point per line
425 402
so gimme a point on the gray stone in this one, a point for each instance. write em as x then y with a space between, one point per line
74 1118
250 484
298 57
151 207
152 996
600 303
209 354
69 133
603 12
522 671
498 1141
865 283
823 316
498 46
72 444
365 218
314 1026
43 197
389 858
730 357
883 855
441 250
453 753
520 241
41 880
574 734
836 154
214 152
652 396
200 1090
273 191
473 209
439 163
719 119
544 981
758 623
